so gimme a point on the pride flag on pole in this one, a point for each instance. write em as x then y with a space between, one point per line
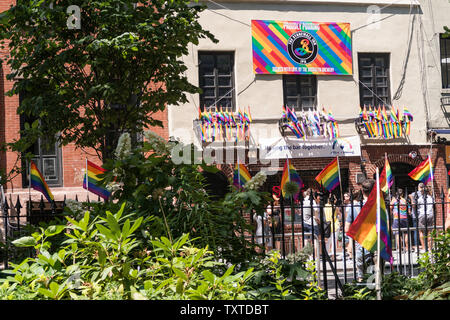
424 172
92 180
364 228
241 176
329 176
386 177
290 174
37 182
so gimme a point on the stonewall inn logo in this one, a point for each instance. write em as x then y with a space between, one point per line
302 47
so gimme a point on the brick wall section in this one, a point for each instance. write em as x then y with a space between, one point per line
73 160
374 156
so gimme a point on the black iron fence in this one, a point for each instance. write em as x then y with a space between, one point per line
18 218
291 226
288 226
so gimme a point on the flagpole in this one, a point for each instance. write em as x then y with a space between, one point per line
387 182
378 266
432 175
29 179
287 166
340 180
87 180
239 173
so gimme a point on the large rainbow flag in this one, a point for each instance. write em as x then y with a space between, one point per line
386 177
329 176
424 172
37 182
290 174
240 176
299 47
93 181
364 228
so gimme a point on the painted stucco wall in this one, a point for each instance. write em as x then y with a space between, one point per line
230 23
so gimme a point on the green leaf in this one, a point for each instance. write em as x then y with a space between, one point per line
136 225
25 242
46 293
113 224
106 232
208 276
54 230
179 273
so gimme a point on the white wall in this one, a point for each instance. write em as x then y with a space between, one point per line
231 26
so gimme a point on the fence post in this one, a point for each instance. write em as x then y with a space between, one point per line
352 213
18 208
311 208
29 208
344 253
322 238
292 225
301 217
283 249
5 210
416 219
64 203
408 231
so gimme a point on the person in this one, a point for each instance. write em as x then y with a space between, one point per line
273 224
331 215
261 221
399 211
310 211
363 257
348 212
425 215
276 226
412 196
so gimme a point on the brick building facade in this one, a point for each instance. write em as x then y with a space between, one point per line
72 160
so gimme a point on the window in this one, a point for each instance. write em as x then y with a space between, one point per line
300 92
47 157
216 80
445 61
374 87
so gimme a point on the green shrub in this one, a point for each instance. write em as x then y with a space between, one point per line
101 258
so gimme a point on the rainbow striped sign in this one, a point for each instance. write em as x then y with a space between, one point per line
293 47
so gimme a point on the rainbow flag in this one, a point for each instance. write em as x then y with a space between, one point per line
241 176
424 172
329 176
386 177
93 181
407 115
290 175
270 47
364 228
37 182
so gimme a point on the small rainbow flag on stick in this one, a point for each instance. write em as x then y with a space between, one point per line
241 176
92 183
290 175
424 172
386 178
37 182
329 176
364 228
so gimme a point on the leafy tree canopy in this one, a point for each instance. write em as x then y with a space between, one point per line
89 77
